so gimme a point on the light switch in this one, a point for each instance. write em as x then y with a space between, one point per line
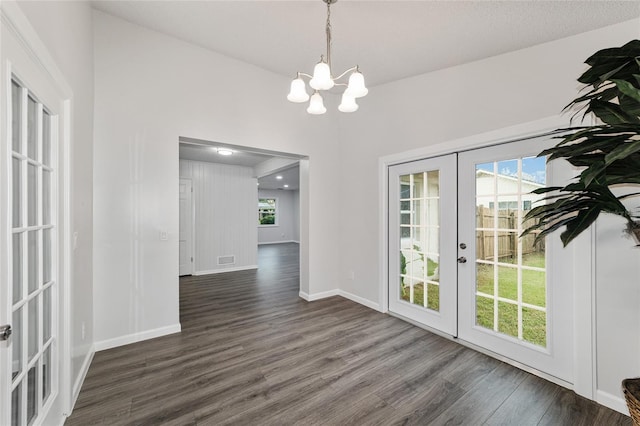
75 240
164 236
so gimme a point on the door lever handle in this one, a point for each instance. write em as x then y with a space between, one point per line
462 259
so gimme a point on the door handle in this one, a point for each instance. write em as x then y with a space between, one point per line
5 332
462 259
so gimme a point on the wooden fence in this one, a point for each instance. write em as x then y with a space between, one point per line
507 241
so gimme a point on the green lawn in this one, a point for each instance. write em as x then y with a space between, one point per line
533 292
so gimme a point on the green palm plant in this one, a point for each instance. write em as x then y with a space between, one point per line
608 153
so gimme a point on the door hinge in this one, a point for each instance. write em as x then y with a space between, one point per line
192 260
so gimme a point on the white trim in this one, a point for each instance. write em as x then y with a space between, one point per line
317 296
84 369
136 337
345 294
612 401
584 340
278 242
219 271
361 300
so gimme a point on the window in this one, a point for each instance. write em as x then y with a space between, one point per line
267 212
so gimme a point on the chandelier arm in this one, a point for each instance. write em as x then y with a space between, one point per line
346 72
304 74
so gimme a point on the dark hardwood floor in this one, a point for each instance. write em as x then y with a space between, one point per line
251 352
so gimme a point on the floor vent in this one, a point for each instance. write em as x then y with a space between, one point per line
226 260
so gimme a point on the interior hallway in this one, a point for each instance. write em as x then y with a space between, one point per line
251 352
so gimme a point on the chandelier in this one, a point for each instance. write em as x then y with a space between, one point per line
322 79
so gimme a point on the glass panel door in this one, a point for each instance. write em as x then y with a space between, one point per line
513 299
422 242
32 275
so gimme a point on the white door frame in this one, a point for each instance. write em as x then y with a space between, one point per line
584 373
29 59
192 225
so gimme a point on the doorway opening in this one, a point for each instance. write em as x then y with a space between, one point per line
235 198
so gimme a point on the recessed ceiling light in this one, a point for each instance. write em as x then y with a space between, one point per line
224 151
286 186
279 177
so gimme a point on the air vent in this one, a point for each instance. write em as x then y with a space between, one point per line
226 260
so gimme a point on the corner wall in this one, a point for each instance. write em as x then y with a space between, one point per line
467 100
150 89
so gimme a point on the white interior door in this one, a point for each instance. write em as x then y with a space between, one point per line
186 227
514 295
422 242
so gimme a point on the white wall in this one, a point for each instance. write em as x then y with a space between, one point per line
150 89
225 215
66 30
470 99
285 230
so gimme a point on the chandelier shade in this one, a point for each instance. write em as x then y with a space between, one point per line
298 92
316 105
323 79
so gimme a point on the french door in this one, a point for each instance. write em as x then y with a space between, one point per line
510 295
422 251
31 222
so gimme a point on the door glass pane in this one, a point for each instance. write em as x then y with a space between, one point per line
32 394
46 255
419 239
507 177
32 195
32 334
46 315
46 139
46 197
16 406
16 252
16 112
46 374
507 266
17 338
33 260
32 129
16 190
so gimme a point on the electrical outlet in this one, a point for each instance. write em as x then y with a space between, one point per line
75 240
352 275
164 236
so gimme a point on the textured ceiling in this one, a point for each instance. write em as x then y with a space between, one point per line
390 40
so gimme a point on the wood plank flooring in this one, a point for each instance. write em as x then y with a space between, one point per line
251 352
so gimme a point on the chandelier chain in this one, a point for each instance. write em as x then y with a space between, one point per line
328 31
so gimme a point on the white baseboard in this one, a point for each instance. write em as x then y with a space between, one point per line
361 300
84 369
219 271
136 337
278 242
614 402
337 292
317 296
